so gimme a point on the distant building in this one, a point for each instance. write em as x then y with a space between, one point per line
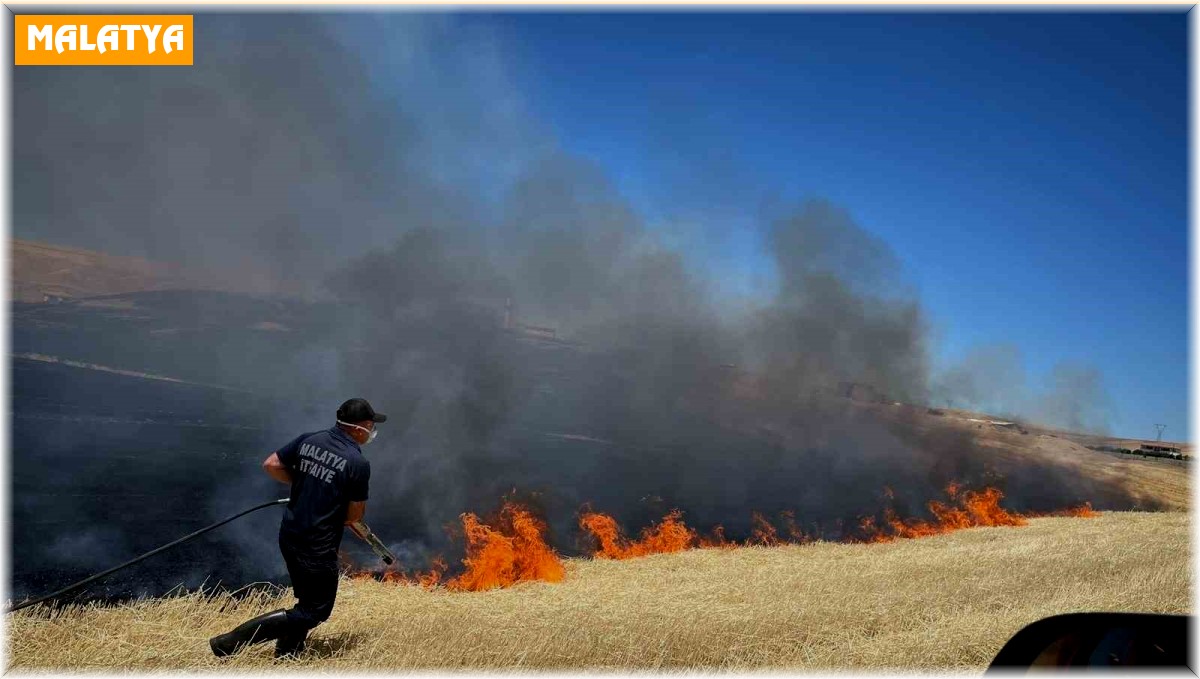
1156 450
1161 448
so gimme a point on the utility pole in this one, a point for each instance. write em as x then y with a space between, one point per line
1160 428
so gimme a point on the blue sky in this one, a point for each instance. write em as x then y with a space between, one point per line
1028 170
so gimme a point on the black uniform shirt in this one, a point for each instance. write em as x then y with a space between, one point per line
328 472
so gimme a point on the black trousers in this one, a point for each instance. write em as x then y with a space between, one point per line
314 582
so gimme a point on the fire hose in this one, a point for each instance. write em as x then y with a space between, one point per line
74 586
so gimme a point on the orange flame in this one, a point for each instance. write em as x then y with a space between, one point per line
795 534
971 509
514 551
715 539
427 579
512 548
763 533
668 535
963 509
1083 511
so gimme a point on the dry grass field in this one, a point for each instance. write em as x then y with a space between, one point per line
943 603
1164 482
1150 483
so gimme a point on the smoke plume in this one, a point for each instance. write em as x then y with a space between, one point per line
521 324
993 379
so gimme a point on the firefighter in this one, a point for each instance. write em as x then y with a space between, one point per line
328 476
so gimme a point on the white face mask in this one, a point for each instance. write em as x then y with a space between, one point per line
370 432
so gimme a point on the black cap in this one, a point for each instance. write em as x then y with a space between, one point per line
358 410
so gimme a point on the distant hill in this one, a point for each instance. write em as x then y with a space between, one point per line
47 273
1152 483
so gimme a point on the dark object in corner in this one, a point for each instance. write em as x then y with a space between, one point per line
1079 640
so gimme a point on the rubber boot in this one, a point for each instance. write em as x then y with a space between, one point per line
266 627
290 645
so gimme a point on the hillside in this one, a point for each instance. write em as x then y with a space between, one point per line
154 328
941 603
1153 483
42 272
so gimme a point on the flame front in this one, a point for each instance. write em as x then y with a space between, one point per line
970 510
513 551
668 535
1083 511
512 547
963 509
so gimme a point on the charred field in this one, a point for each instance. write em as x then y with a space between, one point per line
119 447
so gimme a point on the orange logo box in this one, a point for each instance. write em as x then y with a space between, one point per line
102 39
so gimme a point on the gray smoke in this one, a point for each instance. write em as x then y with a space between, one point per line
440 236
993 379
838 316
1076 399
275 156
660 400
990 379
